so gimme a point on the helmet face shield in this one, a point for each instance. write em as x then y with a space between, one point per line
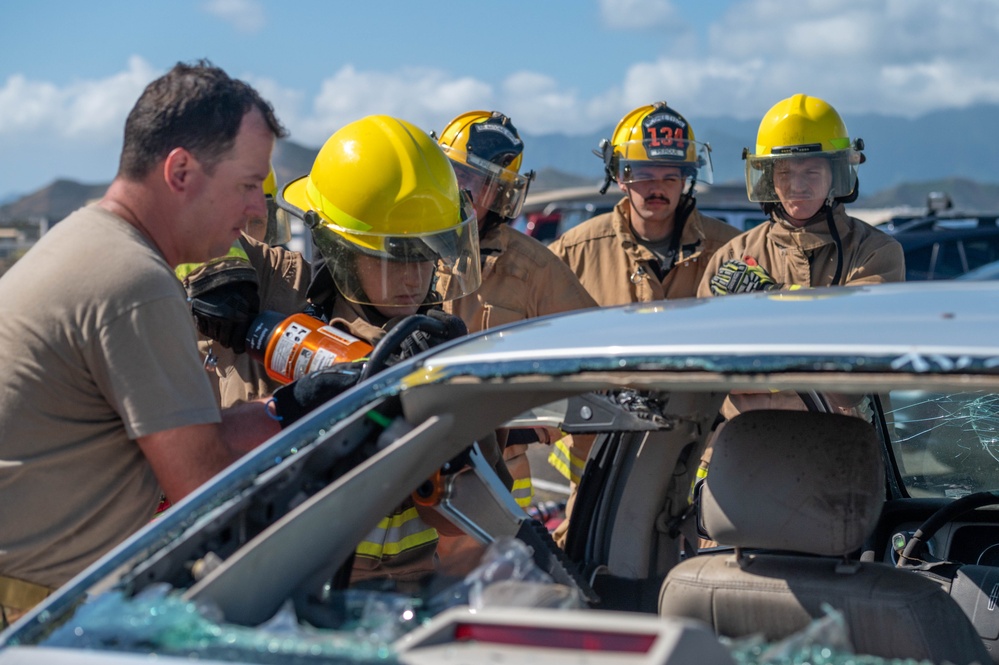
275 230
402 271
492 187
691 157
808 175
798 137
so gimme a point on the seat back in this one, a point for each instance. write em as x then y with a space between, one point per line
810 485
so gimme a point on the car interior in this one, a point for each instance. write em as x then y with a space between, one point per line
832 505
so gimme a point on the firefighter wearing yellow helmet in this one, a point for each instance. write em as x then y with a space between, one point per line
802 172
398 237
386 213
521 279
655 244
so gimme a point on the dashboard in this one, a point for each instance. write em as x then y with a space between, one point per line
959 542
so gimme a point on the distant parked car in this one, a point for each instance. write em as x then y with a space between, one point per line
987 271
946 244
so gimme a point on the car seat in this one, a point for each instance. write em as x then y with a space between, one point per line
796 493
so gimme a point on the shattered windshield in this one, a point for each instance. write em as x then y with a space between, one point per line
945 444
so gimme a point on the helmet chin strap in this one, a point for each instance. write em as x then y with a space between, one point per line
683 209
827 208
834 232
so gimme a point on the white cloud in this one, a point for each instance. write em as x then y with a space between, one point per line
246 16
429 98
898 57
639 14
90 111
534 100
424 96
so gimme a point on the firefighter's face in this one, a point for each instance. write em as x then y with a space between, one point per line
802 185
395 288
654 192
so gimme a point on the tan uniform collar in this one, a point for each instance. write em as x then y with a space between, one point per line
351 316
813 234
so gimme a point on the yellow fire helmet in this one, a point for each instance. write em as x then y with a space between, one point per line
801 127
486 151
276 229
382 188
654 134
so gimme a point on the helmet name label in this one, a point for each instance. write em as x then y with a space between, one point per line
491 127
795 149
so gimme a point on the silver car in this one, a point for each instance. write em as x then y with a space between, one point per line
854 437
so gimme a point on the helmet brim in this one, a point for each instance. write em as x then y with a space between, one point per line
293 197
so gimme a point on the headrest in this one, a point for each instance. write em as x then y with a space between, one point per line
794 480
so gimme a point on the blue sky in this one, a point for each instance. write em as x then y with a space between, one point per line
70 71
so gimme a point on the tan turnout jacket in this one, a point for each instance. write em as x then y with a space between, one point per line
806 256
615 269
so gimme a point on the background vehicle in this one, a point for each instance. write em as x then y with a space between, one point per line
945 245
269 540
987 271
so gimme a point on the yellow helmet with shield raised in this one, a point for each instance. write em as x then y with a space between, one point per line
486 151
802 127
654 134
381 187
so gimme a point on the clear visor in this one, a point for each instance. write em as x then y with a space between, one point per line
403 272
804 176
275 230
492 187
692 157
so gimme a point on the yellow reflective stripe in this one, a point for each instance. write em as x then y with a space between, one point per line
235 251
395 534
702 472
522 491
565 462
334 213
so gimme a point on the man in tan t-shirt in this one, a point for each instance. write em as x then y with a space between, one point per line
104 404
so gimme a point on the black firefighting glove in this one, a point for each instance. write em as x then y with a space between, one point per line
422 339
224 300
407 336
296 399
735 276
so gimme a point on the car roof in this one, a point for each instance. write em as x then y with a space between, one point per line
941 222
888 320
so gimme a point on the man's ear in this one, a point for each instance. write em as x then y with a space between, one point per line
179 169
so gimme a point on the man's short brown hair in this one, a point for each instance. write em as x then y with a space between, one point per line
197 107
